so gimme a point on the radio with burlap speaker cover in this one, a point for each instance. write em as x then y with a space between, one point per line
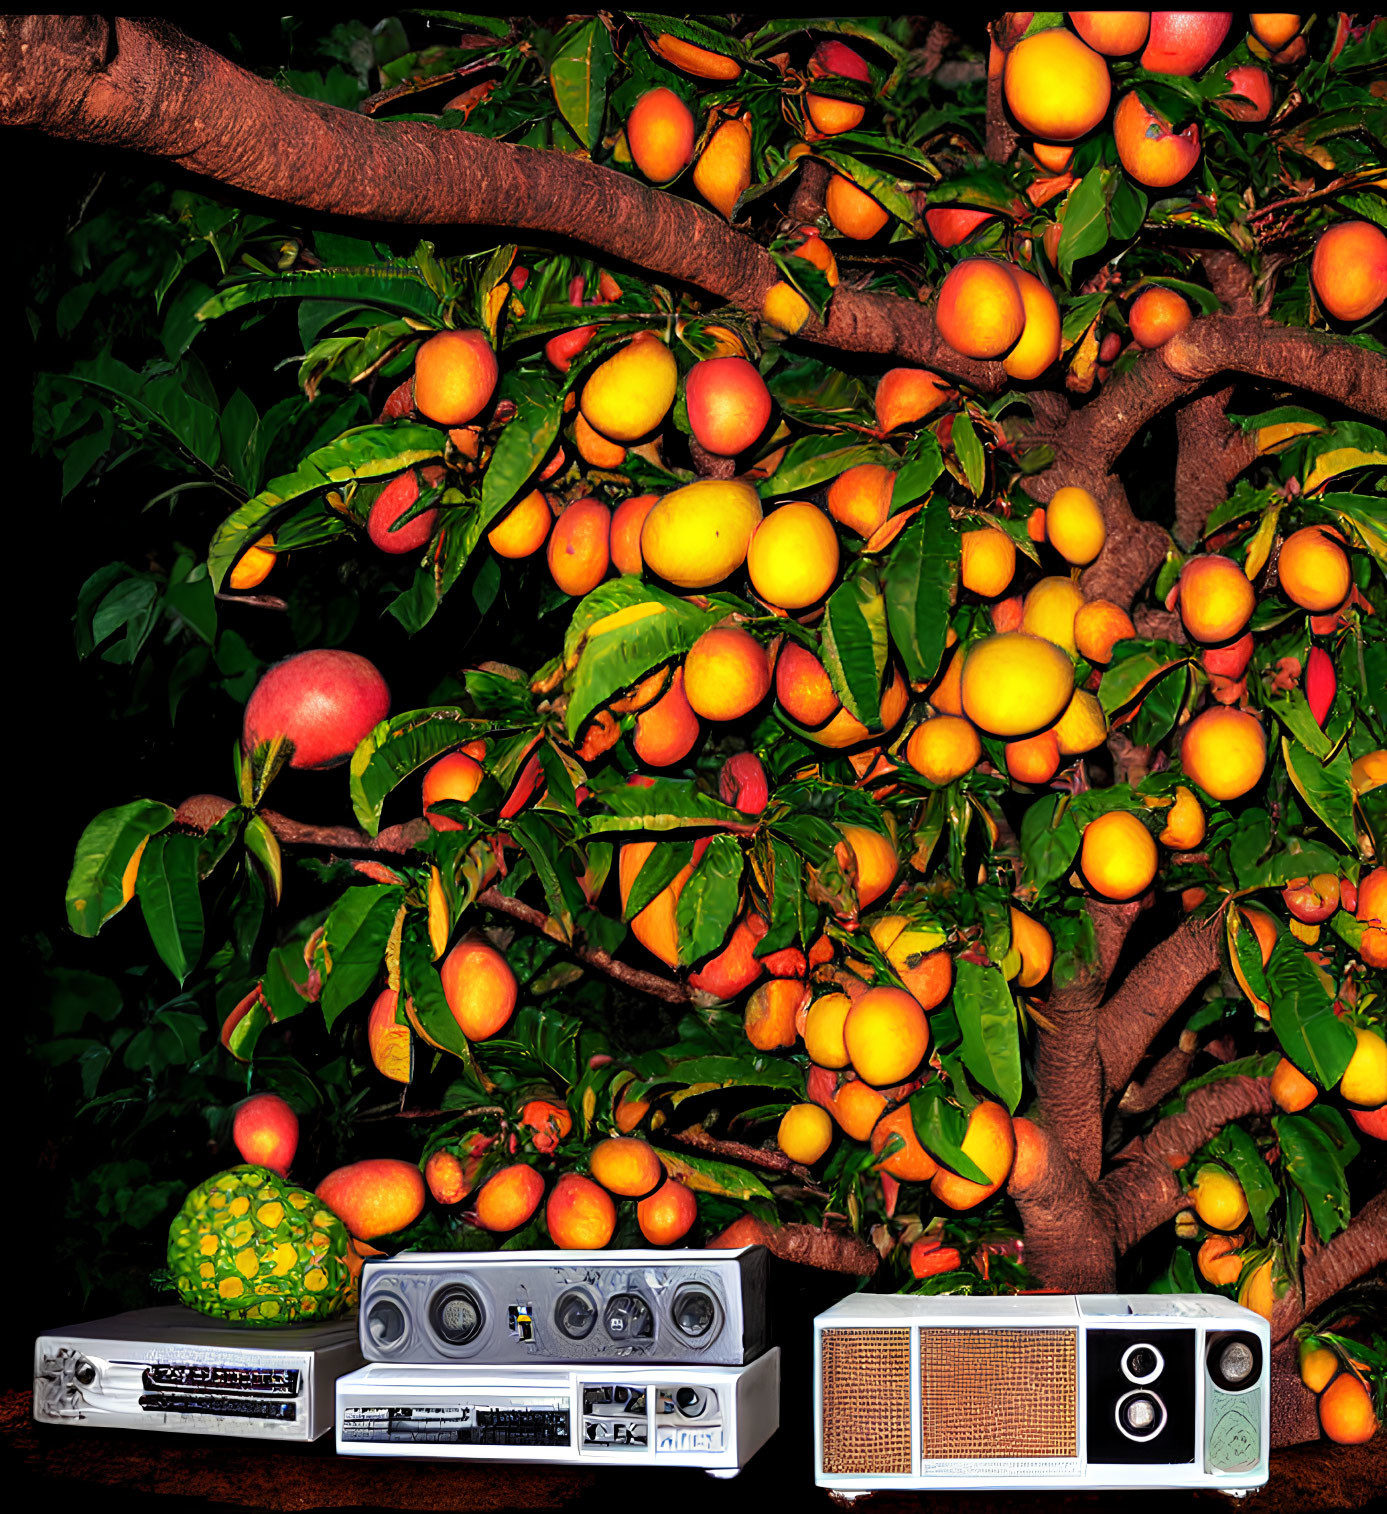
1041 1391
621 1358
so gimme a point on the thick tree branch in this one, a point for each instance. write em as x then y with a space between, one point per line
768 1159
1068 1235
1211 455
828 1250
1155 988
1352 1254
1164 1078
140 85
1142 1190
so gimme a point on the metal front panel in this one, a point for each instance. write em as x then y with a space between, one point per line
865 1396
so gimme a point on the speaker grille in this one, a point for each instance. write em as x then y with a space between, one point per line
991 1393
866 1401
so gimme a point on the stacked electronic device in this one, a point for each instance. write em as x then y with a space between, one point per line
623 1358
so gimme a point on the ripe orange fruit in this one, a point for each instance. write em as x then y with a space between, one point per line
979 311
988 561
509 1198
1118 855
728 404
912 1163
1314 570
626 1165
991 1142
667 1215
802 686
1216 599
1015 683
830 116
886 1035
1291 1089
1349 270
1038 346
454 377
660 133
860 498
628 519
253 566
701 62
1098 626
480 988
579 546
1083 727
454 776
943 748
522 530
1055 86
1034 759
1346 1411
877 862
857 1106
1219 1262
823 1031
852 210
580 1215
1034 945
723 169
1156 315
726 674
1112 33
1364 1081
1074 524
1225 751
1185 825
1153 154
905 396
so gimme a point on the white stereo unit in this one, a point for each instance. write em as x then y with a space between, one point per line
614 1414
170 1368
512 1308
1040 1391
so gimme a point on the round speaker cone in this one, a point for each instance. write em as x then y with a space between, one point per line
1236 1362
628 1318
690 1402
456 1314
385 1323
1140 1416
575 1315
1142 1363
695 1312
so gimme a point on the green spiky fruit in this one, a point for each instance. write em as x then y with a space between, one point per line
249 1247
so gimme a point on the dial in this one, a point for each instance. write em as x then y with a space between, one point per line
695 1312
1141 1363
1140 1415
385 1323
575 1314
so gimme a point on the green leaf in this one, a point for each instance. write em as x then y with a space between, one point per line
543 847
399 746
812 460
708 904
1302 1015
1049 841
1240 1151
780 871
1324 787
662 862
664 805
916 476
393 286
919 575
706 1175
991 1032
1135 663
854 644
263 845
885 188
1314 1155
354 939
1085 219
167 888
364 452
579 75
420 983
971 456
104 850
941 1127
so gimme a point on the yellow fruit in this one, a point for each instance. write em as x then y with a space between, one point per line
988 561
1118 856
1056 87
1184 822
1034 945
630 394
853 211
1313 570
1258 1291
1365 1078
805 1133
1216 599
785 307
1050 608
1225 751
877 862
823 1031
699 534
1219 1199
723 169
1082 727
1318 1364
1368 772
1015 683
943 749
1074 524
1039 344
793 556
254 564
887 1035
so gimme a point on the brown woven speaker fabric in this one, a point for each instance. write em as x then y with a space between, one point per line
989 1393
866 1401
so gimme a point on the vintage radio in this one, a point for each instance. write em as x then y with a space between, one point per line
1040 1391
169 1368
513 1308
599 1413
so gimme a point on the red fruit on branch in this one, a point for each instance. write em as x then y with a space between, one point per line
742 783
1321 684
266 1132
324 701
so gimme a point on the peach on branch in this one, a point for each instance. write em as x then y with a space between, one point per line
265 1130
1184 42
723 170
480 988
728 403
1216 599
726 674
324 701
395 500
627 520
509 1198
455 375
979 310
667 731
579 546
735 967
1149 150
453 776
1056 87
376 1197
1312 900
1115 34
390 1045
830 116
667 1215
1157 314
1249 93
1349 270
580 1214
660 131
853 212
951 224
904 396
802 686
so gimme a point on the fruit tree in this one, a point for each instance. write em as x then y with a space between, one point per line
800 614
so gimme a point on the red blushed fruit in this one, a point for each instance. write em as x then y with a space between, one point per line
742 783
1371 1122
1184 42
397 499
950 224
1312 900
735 967
1321 684
1250 94
728 403
323 701
1230 661
927 1259
266 1132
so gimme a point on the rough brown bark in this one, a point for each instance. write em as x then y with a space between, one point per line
1211 455
1164 1078
769 1159
1328 1270
829 1250
1068 1231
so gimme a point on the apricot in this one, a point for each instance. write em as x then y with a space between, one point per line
1313 570
626 1165
845 730
1050 155
728 403
1039 345
579 546
857 1106
979 311
1148 149
265 1130
660 133
1312 900
594 448
580 1215
1055 86
325 701
1219 1262
1051 607
990 1142
830 116
1274 29
805 1133
376 1197
813 249
860 498
391 1047
454 776
1033 759
853 211
951 224
444 1177
723 170
877 862
701 62
772 1012
1185 825
480 988
253 566
1291 1089
1156 315
454 377
1258 1290
1112 33
793 556
726 674
1074 524
1118 855
1251 84
802 686
903 397
916 955
628 520
1034 945
654 926
522 530
668 730
1346 1411
736 966
1184 42
550 1122
943 749
1083 727
911 1163
1015 683
1216 599
987 561
886 1035
1098 626
784 307
630 393
668 1214
696 536
1349 270
508 1199
823 1030
1225 751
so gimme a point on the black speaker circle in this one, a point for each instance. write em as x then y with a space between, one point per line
385 1323
575 1314
1142 1363
695 1313
1140 1415
456 1314
1234 1360
628 1317
689 1401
